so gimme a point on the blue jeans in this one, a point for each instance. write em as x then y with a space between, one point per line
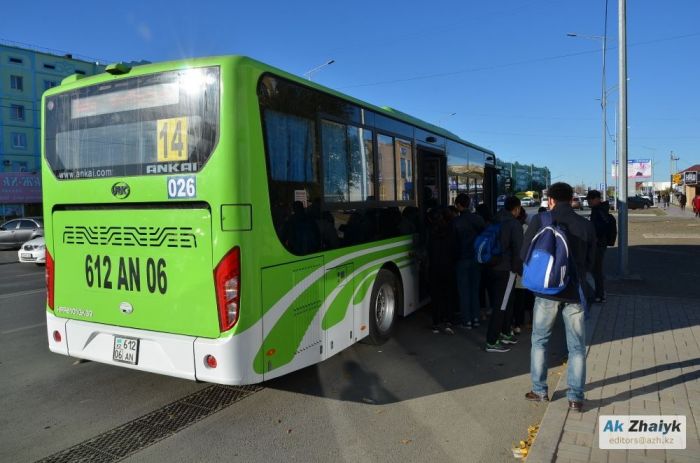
544 315
468 278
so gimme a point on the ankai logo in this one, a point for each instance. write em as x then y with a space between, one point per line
120 190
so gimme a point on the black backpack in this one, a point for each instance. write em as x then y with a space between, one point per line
610 229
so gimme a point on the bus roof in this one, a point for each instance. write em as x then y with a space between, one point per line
149 68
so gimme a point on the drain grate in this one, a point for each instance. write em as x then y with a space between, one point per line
145 431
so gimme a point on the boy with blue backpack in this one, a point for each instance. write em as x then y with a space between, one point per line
558 251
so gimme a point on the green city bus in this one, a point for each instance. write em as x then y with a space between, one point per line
221 220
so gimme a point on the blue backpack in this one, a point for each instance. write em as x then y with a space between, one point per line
547 267
488 244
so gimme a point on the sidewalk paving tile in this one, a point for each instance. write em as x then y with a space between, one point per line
643 358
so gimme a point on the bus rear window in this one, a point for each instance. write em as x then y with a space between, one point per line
156 124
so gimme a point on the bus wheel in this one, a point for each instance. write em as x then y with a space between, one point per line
385 306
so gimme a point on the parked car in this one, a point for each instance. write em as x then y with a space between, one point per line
637 202
584 202
527 201
544 202
576 203
33 251
15 232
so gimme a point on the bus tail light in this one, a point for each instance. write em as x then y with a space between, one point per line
50 270
227 278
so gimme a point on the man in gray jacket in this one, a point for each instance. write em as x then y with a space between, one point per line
499 277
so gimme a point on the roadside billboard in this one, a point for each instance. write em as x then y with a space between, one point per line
690 177
636 168
20 187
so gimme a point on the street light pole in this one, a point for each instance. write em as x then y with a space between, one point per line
623 251
310 73
603 101
444 118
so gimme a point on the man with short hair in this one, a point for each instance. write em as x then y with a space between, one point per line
500 274
468 273
581 241
599 218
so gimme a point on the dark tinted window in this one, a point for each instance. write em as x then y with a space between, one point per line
387 168
11 225
27 225
291 147
348 163
324 170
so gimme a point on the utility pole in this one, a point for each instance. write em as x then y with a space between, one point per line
623 251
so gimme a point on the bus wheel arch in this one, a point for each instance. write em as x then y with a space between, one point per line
386 303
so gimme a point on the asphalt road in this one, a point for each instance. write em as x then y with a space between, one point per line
419 397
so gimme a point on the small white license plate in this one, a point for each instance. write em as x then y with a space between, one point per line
126 350
26 255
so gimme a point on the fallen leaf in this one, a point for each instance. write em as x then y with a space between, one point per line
406 441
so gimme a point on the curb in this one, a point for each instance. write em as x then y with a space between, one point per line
544 447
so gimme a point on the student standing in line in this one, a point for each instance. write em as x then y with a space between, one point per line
467 270
599 218
500 277
440 250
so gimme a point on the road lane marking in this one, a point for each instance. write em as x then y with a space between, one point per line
17 330
672 236
22 293
38 274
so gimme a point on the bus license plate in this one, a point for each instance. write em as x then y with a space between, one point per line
126 350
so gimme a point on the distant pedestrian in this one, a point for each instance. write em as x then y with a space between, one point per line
440 250
682 200
467 270
667 199
581 241
500 275
696 205
602 222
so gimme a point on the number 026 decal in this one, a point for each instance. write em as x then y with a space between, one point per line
172 139
182 187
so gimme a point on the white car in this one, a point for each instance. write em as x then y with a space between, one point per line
545 202
527 202
33 251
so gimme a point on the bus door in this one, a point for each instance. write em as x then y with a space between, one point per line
432 192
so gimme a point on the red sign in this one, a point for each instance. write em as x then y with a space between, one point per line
20 187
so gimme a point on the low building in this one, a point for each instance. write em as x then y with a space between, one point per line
689 182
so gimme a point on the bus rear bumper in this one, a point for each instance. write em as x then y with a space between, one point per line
162 353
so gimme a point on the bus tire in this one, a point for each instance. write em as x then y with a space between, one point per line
385 306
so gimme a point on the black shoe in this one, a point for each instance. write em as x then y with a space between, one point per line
497 347
575 406
534 397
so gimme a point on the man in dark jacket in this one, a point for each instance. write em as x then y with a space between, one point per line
582 242
599 218
467 227
500 275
